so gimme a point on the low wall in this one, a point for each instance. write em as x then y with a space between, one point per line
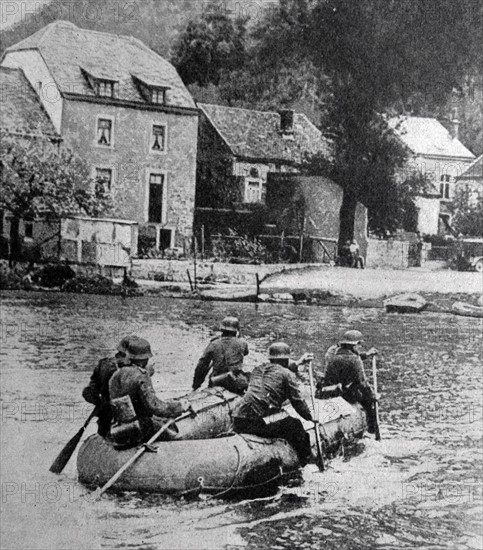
392 254
176 270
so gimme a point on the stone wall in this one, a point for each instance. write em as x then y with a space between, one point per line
176 270
391 253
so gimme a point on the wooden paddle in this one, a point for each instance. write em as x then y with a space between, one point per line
377 432
64 456
318 442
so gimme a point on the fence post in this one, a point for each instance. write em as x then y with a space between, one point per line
194 259
301 242
202 243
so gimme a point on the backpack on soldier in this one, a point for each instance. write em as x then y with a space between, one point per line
126 431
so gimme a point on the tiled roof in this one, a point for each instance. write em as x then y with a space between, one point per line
427 136
69 50
256 135
474 170
20 108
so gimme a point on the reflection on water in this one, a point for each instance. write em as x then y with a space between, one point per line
421 487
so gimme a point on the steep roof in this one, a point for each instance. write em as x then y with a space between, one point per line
20 109
427 136
256 135
474 170
72 53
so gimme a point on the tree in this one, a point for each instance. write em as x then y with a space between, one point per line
467 210
40 180
379 56
209 46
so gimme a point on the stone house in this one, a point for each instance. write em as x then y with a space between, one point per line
249 165
238 148
437 153
123 109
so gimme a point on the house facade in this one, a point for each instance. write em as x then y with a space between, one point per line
245 146
123 109
437 153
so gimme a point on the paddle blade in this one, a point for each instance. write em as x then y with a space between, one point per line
64 456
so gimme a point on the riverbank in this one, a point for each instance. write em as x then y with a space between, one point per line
333 286
314 285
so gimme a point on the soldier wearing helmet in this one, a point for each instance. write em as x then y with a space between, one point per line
270 385
134 380
224 355
97 392
344 367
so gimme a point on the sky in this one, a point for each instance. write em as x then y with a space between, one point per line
12 11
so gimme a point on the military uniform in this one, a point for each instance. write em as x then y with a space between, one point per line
346 368
151 412
270 385
225 355
97 392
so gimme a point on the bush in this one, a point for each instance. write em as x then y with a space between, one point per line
239 248
10 280
54 275
96 284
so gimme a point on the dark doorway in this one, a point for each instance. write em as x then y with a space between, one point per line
155 212
164 239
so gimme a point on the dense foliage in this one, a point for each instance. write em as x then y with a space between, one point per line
39 179
467 208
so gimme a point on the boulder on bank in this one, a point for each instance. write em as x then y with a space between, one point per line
405 303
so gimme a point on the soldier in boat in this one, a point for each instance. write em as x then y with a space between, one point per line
137 411
224 355
259 411
344 374
97 392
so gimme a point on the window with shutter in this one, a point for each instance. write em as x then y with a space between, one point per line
158 138
104 131
104 176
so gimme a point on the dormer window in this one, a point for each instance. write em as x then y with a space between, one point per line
105 88
101 86
158 95
151 90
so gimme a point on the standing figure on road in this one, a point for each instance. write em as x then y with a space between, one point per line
356 258
137 411
270 385
224 354
97 392
344 366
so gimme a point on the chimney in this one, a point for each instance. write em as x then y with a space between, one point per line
454 125
286 121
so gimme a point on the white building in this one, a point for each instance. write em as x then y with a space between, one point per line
439 155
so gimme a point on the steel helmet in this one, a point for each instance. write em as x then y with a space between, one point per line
279 350
230 324
352 337
138 348
124 344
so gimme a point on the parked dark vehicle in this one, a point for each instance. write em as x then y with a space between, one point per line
469 255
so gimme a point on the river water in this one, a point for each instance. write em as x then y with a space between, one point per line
420 487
